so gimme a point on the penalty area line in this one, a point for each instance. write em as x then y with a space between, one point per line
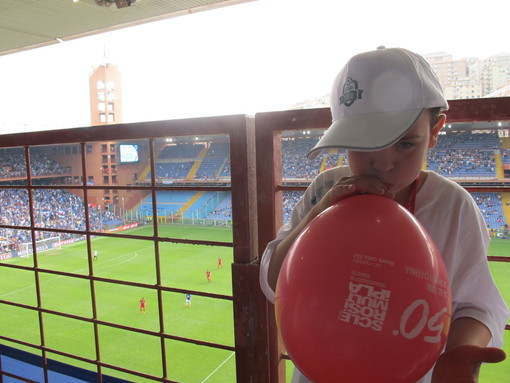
217 368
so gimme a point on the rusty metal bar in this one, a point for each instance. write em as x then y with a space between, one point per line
249 314
90 263
36 263
269 205
139 130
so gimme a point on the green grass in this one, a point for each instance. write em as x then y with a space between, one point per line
501 272
182 266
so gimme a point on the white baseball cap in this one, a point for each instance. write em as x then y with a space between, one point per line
377 97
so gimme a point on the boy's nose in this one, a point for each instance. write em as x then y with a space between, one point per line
382 161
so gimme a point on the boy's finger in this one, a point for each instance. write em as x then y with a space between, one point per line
490 355
476 354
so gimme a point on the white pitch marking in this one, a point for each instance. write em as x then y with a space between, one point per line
217 368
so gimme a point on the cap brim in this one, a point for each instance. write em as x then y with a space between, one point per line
366 132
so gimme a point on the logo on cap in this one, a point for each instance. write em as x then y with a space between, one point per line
351 92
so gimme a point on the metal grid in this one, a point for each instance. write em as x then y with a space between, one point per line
237 129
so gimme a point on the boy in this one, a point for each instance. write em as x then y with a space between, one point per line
386 107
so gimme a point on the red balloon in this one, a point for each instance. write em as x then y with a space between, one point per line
363 295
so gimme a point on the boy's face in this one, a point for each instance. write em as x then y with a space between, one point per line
400 164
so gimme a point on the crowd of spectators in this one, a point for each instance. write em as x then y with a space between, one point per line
464 140
290 198
505 157
223 210
464 154
462 162
294 162
456 155
489 203
53 208
13 164
491 207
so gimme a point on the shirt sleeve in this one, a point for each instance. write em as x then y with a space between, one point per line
299 211
474 291
452 218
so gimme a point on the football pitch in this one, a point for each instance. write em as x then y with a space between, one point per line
501 272
183 266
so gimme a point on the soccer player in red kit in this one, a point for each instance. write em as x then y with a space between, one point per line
208 275
142 306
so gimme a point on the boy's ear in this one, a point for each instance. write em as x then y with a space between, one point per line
436 129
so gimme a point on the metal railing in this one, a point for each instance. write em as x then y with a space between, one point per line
256 186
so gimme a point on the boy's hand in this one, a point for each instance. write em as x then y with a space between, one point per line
461 364
349 186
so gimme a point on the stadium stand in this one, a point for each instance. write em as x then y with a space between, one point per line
491 208
294 152
224 209
467 140
226 169
505 157
172 170
189 204
56 209
214 161
463 163
458 155
177 162
167 202
13 164
464 155
181 151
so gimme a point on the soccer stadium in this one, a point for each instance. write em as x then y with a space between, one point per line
131 252
172 217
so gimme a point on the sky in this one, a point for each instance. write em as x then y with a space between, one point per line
253 57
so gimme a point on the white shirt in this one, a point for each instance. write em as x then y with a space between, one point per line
453 220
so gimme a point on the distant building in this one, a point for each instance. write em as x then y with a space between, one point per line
471 77
105 88
105 95
447 69
495 73
463 78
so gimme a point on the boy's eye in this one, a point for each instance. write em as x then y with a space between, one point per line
406 144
